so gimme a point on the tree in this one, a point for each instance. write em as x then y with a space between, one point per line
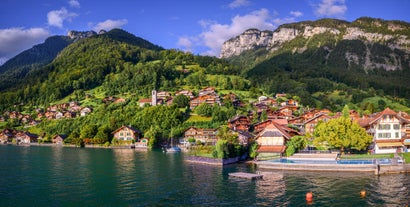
181 101
204 109
295 144
341 133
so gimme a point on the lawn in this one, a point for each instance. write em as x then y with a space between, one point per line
406 156
366 156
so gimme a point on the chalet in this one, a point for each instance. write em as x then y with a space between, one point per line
280 95
7 135
244 137
258 127
233 98
59 138
163 95
59 115
388 130
85 111
210 99
272 141
287 111
406 137
127 133
207 136
25 137
206 91
309 125
239 123
185 93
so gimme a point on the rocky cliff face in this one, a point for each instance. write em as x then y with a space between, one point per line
392 34
80 35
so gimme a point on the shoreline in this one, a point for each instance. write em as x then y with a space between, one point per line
363 168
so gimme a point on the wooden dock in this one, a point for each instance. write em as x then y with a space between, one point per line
250 176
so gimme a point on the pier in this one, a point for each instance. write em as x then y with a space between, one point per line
250 176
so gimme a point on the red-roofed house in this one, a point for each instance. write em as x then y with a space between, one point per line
387 129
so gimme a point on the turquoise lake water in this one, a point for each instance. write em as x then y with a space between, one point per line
58 176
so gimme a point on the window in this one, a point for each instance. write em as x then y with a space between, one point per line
384 135
121 134
384 126
396 126
397 135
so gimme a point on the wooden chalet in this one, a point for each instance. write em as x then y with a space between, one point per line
239 123
59 139
185 93
127 133
244 137
206 136
309 125
210 99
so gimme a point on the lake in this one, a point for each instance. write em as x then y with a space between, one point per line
64 176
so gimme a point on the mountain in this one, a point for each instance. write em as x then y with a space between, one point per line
366 53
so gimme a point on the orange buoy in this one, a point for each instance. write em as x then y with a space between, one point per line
309 196
363 193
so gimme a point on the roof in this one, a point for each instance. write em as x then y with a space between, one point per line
369 121
270 131
272 148
129 127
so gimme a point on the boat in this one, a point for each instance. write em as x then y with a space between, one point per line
173 149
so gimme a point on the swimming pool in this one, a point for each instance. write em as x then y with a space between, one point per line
348 162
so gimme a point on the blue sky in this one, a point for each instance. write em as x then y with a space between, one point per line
198 26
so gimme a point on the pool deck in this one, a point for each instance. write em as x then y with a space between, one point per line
365 168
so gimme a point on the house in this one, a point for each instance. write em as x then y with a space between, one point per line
309 125
206 136
127 133
239 123
258 127
272 141
185 93
143 102
85 111
210 99
388 129
406 138
163 94
244 137
25 137
59 138
7 135
206 91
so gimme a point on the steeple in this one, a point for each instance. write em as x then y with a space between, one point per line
154 97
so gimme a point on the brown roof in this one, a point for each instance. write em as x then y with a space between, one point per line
272 148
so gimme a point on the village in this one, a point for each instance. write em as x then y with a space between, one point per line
390 129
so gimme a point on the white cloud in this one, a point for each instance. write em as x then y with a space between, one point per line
186 43
238 3
216 34
57 17
331 8
74 3
16 40
110 24
296 13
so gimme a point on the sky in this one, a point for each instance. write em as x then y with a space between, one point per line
197 26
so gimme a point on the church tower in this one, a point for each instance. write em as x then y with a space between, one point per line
154 98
